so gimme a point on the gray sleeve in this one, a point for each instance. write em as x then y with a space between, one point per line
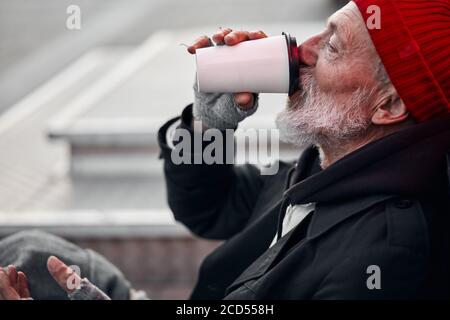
29 251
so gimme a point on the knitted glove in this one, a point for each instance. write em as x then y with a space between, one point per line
87 291
219 110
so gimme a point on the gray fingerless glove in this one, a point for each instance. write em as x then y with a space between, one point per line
87 291
219 110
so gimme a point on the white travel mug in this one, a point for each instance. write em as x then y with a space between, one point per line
268 65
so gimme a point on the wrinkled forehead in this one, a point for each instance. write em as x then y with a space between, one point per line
349 23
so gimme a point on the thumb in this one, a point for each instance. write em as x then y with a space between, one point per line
245 100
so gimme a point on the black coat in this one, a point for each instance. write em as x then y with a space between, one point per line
386 204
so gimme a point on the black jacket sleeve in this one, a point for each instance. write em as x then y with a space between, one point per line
213 200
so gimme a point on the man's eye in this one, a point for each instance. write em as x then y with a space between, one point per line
331 47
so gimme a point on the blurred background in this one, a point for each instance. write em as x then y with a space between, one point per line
79 112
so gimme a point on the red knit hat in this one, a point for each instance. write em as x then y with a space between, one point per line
413 42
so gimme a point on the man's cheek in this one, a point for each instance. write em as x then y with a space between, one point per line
335 79
326 76
327 82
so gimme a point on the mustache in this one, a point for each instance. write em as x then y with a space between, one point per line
306 79
306 87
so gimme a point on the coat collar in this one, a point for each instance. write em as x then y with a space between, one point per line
328 215
409 163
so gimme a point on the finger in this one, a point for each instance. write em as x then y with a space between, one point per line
235 37
6 291
12 275
218 36
61 273
22 281
244 99
201 42
253 35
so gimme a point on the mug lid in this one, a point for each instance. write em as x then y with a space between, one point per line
294 63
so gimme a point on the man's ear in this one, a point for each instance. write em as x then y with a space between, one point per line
390 110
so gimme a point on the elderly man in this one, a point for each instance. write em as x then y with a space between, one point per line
364 212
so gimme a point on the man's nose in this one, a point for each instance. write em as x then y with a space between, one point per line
309 51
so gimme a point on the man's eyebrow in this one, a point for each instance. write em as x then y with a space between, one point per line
339 31
330 23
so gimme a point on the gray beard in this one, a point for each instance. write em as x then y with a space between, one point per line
312 117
